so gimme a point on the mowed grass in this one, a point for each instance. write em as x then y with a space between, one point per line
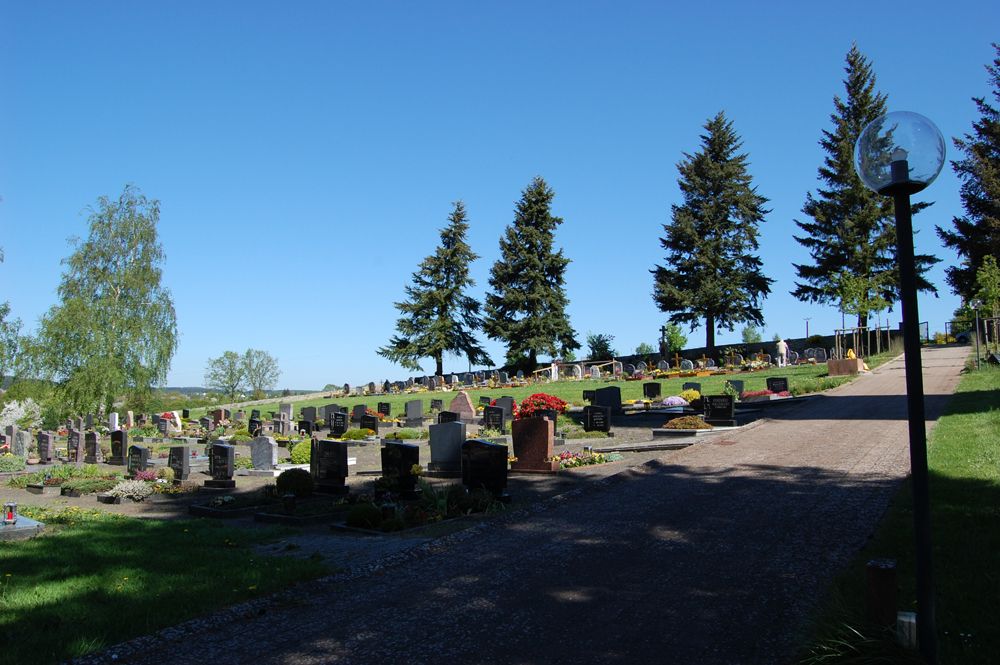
802 379
964 463
97 579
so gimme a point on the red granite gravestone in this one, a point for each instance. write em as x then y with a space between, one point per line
532 440
462 405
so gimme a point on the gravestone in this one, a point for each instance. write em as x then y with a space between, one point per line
793 357
414 413
90 421
398 460
163 425
588 395
437 404
254 427
737 385
610 397
386 386
533 439
339 424
484 466
446 441
255 414
347 389
738 359
138 459
113 421
577 372
503 377
306 426
371 388
641 366
119 447
447 417
686 365
385 408
485 401
720 410
462 405
777 384
821 355
205 422
520 374
218 415
285 408
595 372
93 449
179 460
74 446
186 414
663 365
651 390
263 453
309 413
507 404
596 419
710 363
628 369
691 385
809 354
369 422
358 411
493 418
221 466
46 447
22 441
129 420
328 466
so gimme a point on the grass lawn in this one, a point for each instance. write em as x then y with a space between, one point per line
964 462
97 579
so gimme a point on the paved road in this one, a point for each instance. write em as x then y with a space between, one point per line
713 554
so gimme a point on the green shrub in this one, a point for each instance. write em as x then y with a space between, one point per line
243 463
145 430
241 435
364 516
295 481
357 434
10 463
405 434
165 472
90 485
302 451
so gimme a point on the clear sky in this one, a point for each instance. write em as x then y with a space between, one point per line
306 154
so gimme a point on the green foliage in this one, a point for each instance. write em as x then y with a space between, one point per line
10 329
133 490
599 347
712 271
645 349
675 339
437 316
364 516
243 463
260 369
751 335
295 481
166 473
241 435
852 230
976 235
63 472
406 434
301 452
227 374
149 431
90 485
115 330
527 306
988 285
357 434
9 463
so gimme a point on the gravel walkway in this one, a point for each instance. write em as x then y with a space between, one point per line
713 554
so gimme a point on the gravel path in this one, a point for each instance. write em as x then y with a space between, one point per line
713 554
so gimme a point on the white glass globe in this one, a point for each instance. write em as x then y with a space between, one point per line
899 152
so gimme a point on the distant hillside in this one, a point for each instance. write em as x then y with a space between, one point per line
199 390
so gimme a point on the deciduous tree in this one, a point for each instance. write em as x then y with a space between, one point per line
227 374
261 371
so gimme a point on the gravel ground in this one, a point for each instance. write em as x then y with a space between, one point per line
716 553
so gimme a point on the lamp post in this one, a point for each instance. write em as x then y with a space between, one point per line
806 319
897 155
976 304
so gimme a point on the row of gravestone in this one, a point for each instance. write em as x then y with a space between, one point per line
432 382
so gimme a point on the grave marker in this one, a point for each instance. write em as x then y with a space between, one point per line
651 390
46 447
328 466
777 384
221 466
610 397
138 459
93 449
447 417
446 441
596 419
493 418
533 439
369 422
340 424
484 466
398 460
720 410
385 408
119 447
414 410
263 453
180 461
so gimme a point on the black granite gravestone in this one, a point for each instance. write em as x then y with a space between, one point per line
493 418
437 404
385 408
328 466
484 466
306 426
777 384
180 461
138 459
720 410
651 390
119 447
596 419
485 401
369 422
46 447
588 395
92 444
254 427
398 460
447 417
221 466
691 385
340 424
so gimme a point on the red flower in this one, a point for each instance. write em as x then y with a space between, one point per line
539 402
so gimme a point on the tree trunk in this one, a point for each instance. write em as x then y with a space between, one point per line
862 320
439 364
710 334
533 359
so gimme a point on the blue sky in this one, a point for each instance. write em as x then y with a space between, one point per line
306 154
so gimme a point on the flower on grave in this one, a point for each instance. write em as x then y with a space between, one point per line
675 400
511 459
416 470
530 406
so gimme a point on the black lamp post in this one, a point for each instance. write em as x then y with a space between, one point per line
976 304
897 155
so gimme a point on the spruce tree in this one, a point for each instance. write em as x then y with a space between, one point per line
852 230
976 235
712 271
527 308
437 316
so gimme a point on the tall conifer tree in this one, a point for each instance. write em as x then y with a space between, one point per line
976 235
437 315
527 308
712 271
852 235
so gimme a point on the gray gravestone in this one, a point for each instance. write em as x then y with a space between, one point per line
113 421
93 449
74 446
414 410
446 441
309 413
595 372
19 446
687 365
46 447
507 404
285 409
663 365
264 453
737 385
358 411
180 461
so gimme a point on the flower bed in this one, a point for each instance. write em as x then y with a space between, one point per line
686 422
572 460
